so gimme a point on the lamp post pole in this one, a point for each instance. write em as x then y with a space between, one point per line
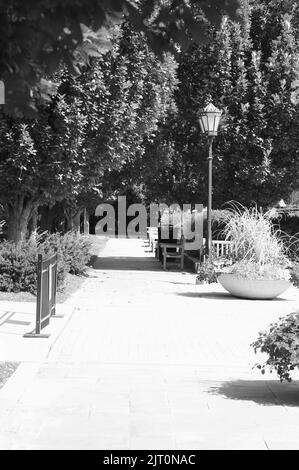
209 119
210 191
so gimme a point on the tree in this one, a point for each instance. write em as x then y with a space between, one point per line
39 161
138 94
91 127
37 37
250 71
149 100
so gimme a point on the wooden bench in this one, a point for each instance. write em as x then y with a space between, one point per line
177 251
173 251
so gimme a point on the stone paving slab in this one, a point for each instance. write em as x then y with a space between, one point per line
149 360
137 407
20 319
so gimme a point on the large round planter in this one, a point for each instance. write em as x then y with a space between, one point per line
253 288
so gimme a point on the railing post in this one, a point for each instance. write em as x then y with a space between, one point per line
39 294
46 295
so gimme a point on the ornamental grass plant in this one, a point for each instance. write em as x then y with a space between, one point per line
257 247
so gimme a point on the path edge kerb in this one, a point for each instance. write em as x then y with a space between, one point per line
60 331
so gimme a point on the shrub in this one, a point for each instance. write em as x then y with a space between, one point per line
18 266
207 273
48 247
281 343
18 261
73 250
76 250
210 270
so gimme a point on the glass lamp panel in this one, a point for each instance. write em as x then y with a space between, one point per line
204 123
201 124
211 122
217 121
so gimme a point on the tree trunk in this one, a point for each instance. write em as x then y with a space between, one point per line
46 218
76 221
85 222
19 215
73 220
33 222
17 227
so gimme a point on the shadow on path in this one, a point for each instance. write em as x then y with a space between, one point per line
208 295
126 263
223 296
263 392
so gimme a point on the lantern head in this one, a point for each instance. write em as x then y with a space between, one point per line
209 120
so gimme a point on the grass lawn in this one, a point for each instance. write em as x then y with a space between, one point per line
6 370
72 282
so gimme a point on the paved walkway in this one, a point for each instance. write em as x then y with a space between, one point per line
149 360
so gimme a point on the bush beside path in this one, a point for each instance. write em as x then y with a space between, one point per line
17 269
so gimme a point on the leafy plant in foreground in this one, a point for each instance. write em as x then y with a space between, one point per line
281 343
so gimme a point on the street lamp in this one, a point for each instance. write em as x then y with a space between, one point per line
209 120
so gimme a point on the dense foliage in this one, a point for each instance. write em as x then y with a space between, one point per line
36 37
18 267
207 273
281 344
73 250
89 126
128 122
250 71
18 261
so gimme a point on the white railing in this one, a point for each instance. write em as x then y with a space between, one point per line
221 247
152 233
